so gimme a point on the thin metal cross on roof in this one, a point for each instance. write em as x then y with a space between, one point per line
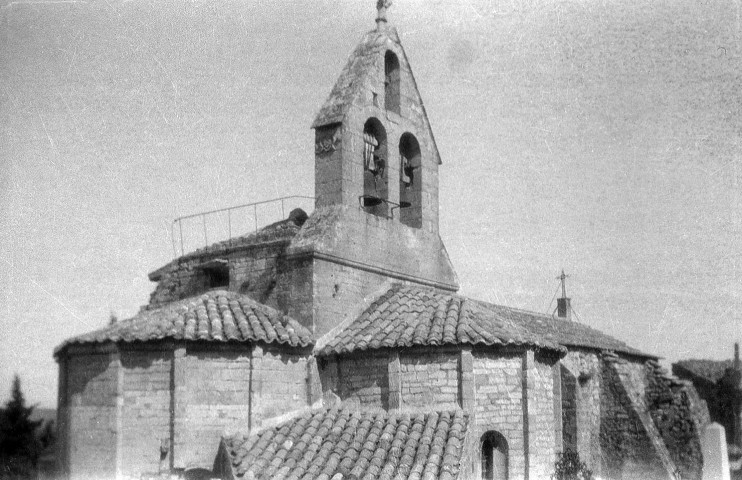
381 6
563 279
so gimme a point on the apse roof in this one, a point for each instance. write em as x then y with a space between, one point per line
323 443
216 316
407 316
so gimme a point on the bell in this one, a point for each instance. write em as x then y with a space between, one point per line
369 185
403 204
369 201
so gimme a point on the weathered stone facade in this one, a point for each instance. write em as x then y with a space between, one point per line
129 410
356 304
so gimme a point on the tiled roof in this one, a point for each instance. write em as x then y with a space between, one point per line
217 316
712 370
407 316
355 444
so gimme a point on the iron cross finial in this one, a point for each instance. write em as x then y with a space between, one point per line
381 6
563 279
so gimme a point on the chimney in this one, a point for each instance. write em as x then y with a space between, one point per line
564 305
564 308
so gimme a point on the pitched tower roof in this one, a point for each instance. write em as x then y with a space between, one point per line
352 84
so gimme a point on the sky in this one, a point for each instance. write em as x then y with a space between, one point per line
597 136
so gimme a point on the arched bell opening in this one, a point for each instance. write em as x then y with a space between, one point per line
494 449
375 171
391 82
410 181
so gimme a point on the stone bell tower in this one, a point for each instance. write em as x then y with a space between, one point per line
376 183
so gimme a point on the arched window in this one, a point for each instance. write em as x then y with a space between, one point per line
375 171
494 456
410 181
391 82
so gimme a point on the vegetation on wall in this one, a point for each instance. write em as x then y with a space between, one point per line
569 467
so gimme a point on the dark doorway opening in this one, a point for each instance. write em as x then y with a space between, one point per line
494 456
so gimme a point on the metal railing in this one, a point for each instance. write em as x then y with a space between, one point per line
224 222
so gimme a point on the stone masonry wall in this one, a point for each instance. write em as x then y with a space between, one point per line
219 398
216 396
167 405
252 270
279 382
260 271
364 381
541 417
429 379
90 408
145 419
498 396
339 290
679 415
293 291
585 367
631 444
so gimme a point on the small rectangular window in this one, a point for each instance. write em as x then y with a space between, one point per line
215 274
217 277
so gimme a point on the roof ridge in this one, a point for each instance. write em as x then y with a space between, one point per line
203 317
486 303
476 300
403 317
326 340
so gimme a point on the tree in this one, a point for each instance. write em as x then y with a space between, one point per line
19 445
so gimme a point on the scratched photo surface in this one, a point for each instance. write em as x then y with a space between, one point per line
598 137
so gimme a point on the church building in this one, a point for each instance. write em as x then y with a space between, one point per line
334 345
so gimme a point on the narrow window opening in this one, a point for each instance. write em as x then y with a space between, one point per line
375 171
569 410
217 278
494 456
215 274
410 181
391 82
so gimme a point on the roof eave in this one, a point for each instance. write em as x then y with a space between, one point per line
328 351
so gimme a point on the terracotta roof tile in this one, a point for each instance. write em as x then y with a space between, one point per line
216 316
338 443
406 316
